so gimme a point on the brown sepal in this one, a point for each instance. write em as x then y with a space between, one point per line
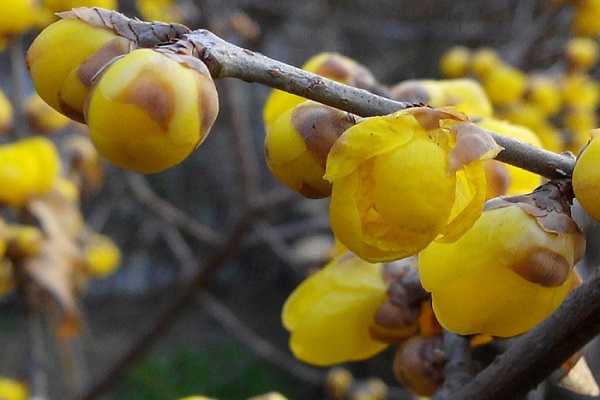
144 34
472 143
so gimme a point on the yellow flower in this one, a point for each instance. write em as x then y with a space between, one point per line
329 314
17 16
329 65
455 62
101 254
586 21
66 5
42 118
484 60
24 240
531 116
518 180
159 10
504 84
578 122
58 68
586 177
518 256
581 53
148 111
6 114
401 180
580 90
544 93
465 95
298 142
11 389
27 167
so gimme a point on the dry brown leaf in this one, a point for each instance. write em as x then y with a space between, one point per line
144 34
580 380
56 267
472 143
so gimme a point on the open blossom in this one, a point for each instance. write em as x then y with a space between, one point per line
329 315
401 180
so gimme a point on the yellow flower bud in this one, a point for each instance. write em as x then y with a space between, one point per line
329 314
65 5
197 398
338 382
329 65
398 182
101 254
578 121
298 142
586 21
518 256
455 62
586 177
24 240
17 16
159 10
581 53
148 110
544 93
519 180
42 118
580 90
11 389
464 95
269 396
504 84
419 364
531 116
6 114
62 71
27 167
484 60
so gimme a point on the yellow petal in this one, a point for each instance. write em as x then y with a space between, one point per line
367 139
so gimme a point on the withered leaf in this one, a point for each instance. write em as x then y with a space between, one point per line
472 143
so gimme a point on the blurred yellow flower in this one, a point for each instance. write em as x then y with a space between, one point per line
329 314
27 167
465 95
11 389
329 65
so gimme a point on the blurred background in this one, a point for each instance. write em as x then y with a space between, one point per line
195 310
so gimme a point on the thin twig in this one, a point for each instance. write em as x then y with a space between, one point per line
228 249
459 369
226 60
38 379
257 344
145 195
17 80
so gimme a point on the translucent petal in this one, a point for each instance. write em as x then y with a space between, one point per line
345 272
336 328
468 203
367 139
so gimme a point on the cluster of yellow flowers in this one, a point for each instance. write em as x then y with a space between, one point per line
29 179
34 181
412 185
559 107
146 109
